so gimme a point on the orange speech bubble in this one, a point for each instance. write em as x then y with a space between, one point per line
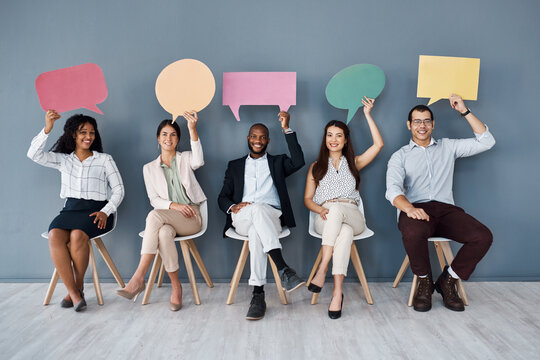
185 85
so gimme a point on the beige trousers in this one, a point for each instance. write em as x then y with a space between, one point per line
162 226
343 221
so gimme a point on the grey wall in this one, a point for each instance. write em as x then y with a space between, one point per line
133 40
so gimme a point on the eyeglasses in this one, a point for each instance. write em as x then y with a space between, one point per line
426 122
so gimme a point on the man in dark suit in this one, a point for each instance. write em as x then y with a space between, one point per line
255 198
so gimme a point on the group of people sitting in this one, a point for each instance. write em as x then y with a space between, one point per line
256 202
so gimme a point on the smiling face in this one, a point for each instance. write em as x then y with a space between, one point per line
168 138
84 137
257 141
335 139
421 126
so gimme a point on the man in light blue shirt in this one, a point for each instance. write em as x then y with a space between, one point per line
419 183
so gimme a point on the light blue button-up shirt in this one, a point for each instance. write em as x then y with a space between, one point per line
258 183
426 174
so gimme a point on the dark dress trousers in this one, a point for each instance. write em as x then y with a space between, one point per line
280 166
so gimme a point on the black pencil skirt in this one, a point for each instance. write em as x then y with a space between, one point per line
76 216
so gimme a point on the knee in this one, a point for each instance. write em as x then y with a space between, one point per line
153 217
78 239
167 232
482 236
415 233
57 237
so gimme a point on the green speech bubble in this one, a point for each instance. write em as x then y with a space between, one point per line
347 88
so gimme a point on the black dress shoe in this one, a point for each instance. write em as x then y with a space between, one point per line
422 297
314 288
257 308
336 314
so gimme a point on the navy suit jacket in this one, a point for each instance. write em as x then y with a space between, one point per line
280 166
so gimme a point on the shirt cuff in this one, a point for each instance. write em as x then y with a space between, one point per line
288 131
229 209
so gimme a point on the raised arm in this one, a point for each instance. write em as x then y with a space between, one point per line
296 160
197 159
36 151
371 153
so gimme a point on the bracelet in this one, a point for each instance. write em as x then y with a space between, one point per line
466 112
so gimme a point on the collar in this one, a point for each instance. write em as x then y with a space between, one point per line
173 163
261 158
412 144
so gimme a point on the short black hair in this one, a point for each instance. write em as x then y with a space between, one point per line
170 123
259 125
421 108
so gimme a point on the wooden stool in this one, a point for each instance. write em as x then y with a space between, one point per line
106 257
231 233
355 258
442 246
187 245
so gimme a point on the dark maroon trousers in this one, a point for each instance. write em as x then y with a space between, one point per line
447 221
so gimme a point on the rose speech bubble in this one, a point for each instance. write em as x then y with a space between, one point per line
347 88
440 76
259 88
185 85
81 86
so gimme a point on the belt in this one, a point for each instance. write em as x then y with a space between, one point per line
341 200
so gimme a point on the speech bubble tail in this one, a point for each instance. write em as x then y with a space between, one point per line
236 111
284 107
174 117
433 100
351 113
94 108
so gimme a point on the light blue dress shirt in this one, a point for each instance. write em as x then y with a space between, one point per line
258 183
426 174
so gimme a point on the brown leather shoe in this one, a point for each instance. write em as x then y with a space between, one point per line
446 286
422 298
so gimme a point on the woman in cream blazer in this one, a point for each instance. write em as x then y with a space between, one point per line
175 195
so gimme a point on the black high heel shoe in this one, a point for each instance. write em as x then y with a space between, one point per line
337 313
314 288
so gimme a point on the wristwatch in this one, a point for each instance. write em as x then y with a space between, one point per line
466 112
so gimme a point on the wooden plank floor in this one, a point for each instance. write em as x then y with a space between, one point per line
502 322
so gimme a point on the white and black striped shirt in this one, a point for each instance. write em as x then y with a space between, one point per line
89 179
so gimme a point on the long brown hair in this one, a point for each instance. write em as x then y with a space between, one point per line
321 166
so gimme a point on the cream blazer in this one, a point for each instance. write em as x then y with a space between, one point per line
156 184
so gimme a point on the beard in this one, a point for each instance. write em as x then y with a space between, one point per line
262 151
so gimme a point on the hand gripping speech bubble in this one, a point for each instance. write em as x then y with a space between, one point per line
347 88
440 76
185 85
81 86
259 88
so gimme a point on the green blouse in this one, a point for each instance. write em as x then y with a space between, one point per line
177 192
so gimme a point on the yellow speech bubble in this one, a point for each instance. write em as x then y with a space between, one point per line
440 76
185 85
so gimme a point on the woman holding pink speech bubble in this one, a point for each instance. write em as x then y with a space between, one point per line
332 192
175 195
87 175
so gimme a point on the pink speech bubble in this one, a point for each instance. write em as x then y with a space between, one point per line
81 86
259 88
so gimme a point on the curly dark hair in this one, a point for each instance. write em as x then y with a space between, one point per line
321 166
66 143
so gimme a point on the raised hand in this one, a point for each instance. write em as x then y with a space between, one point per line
50 117
368 104
456 102
191 118
284 118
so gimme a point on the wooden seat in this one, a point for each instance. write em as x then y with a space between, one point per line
355 257
187 245
445 256
106 257
231 233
